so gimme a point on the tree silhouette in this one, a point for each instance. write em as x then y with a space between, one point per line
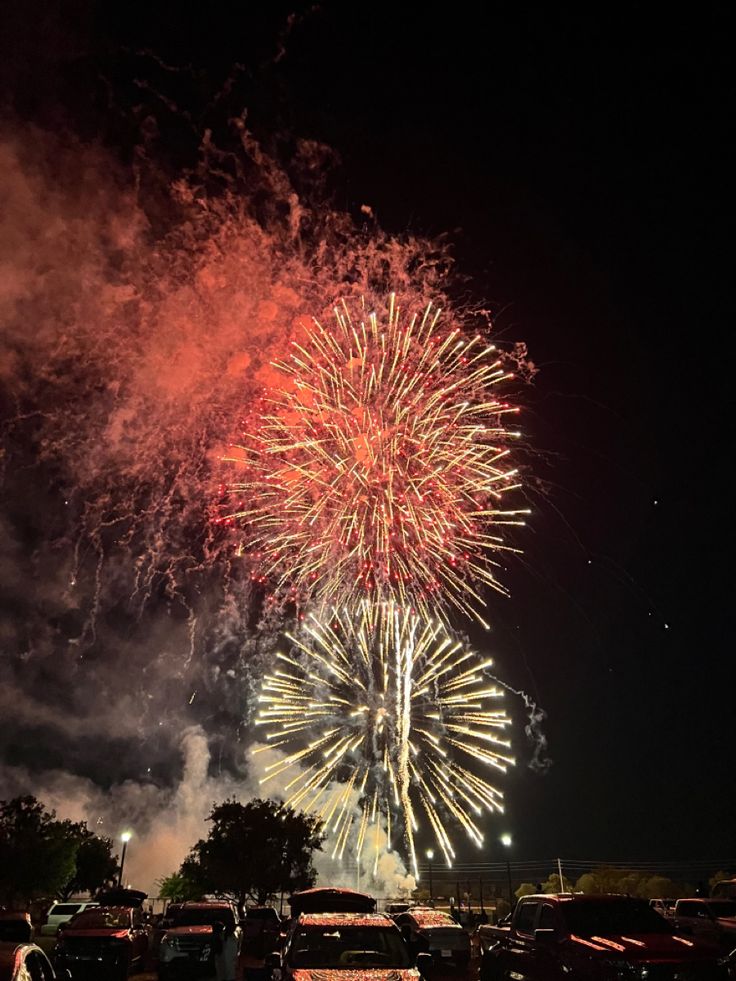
37 852
254 851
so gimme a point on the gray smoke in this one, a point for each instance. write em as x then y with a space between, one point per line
540 762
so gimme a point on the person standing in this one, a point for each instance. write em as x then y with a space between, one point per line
225 946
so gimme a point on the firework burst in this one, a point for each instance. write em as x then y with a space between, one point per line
378 466
390 712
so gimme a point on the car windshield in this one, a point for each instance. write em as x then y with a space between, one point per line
612 917
348 947
426 919
262 913
204 916
101 919
722 907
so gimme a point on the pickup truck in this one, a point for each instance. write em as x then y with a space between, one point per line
708 919
598 938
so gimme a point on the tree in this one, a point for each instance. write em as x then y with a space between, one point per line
37 852
255 850
95 864
552 883
719 876
179 887
525 889
631 882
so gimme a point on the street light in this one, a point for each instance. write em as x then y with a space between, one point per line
506 841
125 838
430 856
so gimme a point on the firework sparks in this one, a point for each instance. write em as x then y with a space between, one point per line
387 710
380 466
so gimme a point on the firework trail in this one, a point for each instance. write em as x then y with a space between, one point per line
379 465
389 708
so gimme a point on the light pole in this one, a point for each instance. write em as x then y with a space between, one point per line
506 841
430 856
125 838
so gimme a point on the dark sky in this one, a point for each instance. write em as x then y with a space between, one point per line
578 163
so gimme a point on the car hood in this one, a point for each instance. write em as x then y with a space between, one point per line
727 922
111 933
643 947
362 974
199 929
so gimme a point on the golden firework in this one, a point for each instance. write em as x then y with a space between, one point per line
384 718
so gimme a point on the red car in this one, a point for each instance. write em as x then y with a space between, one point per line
345 947
435 933
113 939
595 938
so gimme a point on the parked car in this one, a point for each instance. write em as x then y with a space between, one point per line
599 938
27 962
113 939
708 919
725 889
261 929
61 913
159 925
431 931
393 909
186 948
665 907
15 927
346 945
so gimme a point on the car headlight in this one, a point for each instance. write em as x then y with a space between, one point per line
172 942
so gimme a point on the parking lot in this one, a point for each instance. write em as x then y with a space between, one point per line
252 969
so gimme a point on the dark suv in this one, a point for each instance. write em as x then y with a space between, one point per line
261 930
186 950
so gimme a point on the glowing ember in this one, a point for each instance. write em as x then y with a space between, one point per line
388 711
379 464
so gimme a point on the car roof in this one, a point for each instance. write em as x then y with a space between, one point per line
579 897
202 904
345 919
74 902
107 909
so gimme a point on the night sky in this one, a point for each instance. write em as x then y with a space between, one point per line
577 163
